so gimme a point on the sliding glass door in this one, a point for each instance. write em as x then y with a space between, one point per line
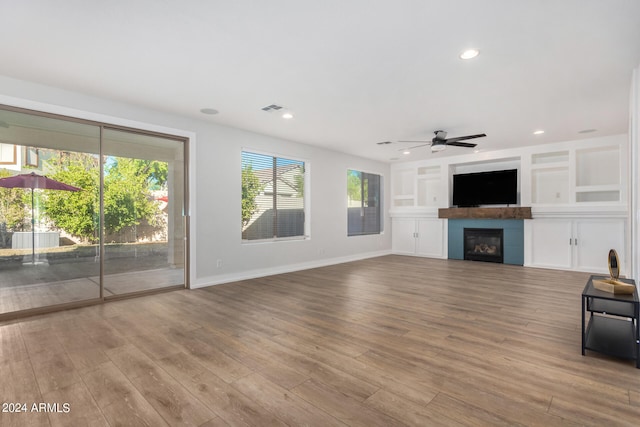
87 211
143 205
49 238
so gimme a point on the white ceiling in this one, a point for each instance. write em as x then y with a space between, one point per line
354 72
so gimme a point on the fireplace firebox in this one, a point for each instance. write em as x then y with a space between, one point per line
484 244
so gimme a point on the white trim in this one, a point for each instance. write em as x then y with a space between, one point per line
263 272
580 212
414 213
96 117
275 239
272 154
634 186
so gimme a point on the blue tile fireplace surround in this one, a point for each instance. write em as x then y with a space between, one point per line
513 235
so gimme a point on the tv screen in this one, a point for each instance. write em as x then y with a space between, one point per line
486 188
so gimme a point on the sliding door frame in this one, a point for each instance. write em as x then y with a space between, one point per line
185 215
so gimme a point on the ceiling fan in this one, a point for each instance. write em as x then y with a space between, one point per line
440 141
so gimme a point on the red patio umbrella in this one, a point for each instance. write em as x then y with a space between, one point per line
32 181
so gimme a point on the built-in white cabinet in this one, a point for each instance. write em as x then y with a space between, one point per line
418 236
576 244
577 176
418 187
577 191
404 188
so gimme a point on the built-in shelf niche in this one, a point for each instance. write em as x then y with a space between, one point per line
404 187
586 175
421 187
429 186
554 158
598 166
598 196
550 178
598 174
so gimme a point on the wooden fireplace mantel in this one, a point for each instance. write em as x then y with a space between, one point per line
485 213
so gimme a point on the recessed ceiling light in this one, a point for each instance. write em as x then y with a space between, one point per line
406 152
287 116
209 111
538 132
469 54
588 130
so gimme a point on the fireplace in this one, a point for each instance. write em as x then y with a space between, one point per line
484 244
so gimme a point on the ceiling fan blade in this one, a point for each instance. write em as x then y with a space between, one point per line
417 142
461 144
411 148
462 138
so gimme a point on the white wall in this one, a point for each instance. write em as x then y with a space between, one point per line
634 157
215 188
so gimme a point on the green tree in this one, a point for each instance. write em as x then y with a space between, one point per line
250 189
127 193
77 212
354 186
298 180
154 172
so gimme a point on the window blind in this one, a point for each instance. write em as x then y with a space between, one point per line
272 197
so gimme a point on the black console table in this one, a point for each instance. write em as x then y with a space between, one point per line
612 327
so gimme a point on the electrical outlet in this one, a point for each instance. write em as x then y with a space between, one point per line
557 195
219 263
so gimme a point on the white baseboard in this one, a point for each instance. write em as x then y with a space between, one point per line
254 274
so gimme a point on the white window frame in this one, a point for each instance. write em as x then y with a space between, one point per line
306 197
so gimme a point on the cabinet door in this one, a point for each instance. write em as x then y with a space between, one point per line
595 237
550 243
403 239
430 237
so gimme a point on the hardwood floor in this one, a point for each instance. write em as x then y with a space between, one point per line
380 342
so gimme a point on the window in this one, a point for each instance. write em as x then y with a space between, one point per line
272 197
31 157
7 154
363 203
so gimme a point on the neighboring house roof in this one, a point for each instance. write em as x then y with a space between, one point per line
284 174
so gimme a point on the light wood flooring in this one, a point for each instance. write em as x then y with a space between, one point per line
381 342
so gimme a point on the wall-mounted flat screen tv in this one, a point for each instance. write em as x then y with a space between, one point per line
486 188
